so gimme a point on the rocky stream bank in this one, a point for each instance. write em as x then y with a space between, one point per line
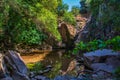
97 65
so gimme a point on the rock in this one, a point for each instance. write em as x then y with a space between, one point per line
114 61
81 21
40 77
65 77
67 33
100 55
102 67
94 75
1 67
84 77
103 62
17 61
12 67
6 78
3 70
72 67
68 77
31 74
47 70
33 79
19 76
49 66
97 21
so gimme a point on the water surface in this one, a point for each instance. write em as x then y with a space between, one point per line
56 58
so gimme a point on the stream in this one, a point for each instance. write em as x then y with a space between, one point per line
58 59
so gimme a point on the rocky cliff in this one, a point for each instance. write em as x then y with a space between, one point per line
104 21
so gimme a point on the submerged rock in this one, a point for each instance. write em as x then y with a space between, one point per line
6 78
65 77
40 77
68 77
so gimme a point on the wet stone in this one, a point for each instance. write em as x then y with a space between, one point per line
40 77
7 78
33 79
31 74
102 67
67 77
100 55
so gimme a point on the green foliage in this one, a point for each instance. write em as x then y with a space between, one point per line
66 16
50 21
62 8
28 21
35 66
117 73
114 43
30 37
112 9
84 6
98 44
69 18
23 30
1 20
55 70
108 25
94 5
50 4
45 12
75 10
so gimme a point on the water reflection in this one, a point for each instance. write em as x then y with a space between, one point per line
58 59
49 58
35 57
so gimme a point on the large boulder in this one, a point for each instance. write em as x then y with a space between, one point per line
102 67
105 60
101 25
67 33
2 70
81 22
100 55
12 67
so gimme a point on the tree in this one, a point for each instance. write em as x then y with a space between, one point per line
84 6
50 4
69 18
75 10
62 8
34 17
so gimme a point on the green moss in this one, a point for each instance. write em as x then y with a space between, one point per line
34 66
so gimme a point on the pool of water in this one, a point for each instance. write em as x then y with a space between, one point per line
58 59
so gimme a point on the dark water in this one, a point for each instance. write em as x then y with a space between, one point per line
59 59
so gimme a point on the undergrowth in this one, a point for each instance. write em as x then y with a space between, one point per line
113 43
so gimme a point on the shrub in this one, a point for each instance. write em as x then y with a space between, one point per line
69 18
98 44
114 43
117 73
31 36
